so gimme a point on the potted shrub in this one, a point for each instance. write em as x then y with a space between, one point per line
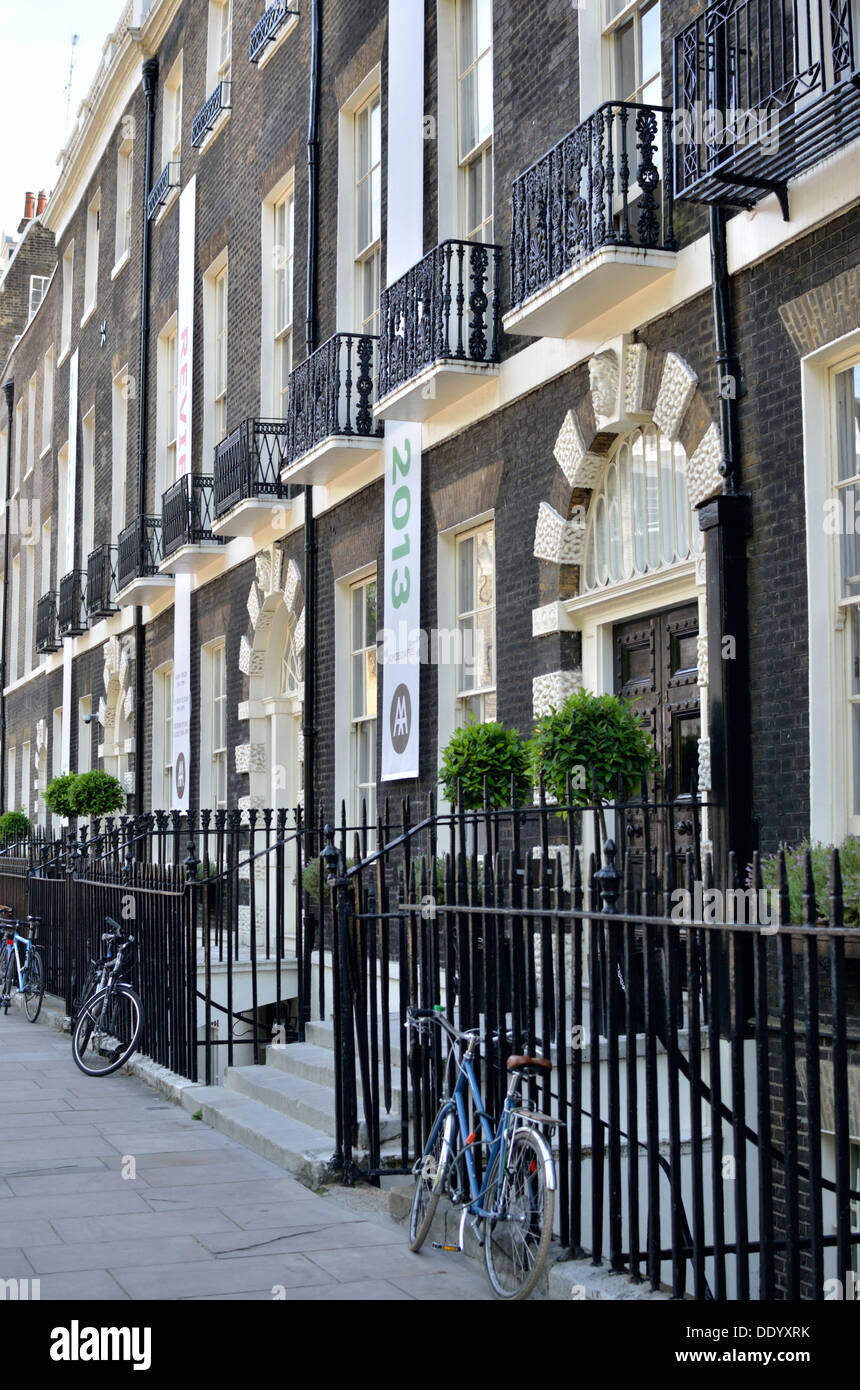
58 794
15 825
597 739
96 793
478 751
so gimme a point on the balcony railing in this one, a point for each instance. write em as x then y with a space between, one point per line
763 90
186 513
599 187
332 393
445 307
138 550
72 605
47 630
265 31
101 582
219 100
248 464
169 178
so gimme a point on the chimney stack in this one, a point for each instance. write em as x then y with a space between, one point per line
29 210
42 201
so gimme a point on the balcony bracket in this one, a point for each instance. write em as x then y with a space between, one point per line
777 186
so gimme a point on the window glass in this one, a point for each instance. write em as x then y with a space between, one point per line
476 618
362 701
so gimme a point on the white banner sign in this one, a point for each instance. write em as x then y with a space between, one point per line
401 636
400 608
68 544
182 583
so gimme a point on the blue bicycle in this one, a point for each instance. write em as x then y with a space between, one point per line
26 975
512 1209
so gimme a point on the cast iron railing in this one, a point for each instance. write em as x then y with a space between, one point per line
186 513
444 308
762 90
265 31
47 632
101 581
601 186
139 550
72 611
332 393
169 177
248 464
219 100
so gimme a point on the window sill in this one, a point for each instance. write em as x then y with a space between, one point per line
88 313
45 452
211 135
123 261
64 352
167 204
272 48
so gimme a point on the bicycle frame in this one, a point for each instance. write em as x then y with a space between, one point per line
12 949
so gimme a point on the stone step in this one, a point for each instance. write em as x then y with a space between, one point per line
306 1101
296 1147
312 1063
321 1035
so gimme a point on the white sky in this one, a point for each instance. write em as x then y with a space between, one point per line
35 49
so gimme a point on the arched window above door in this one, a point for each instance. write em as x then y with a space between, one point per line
640 520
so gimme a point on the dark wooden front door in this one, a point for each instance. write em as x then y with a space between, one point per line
656 669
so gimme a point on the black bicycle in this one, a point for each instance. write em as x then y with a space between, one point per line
108 1020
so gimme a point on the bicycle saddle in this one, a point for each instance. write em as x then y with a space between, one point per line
525 1063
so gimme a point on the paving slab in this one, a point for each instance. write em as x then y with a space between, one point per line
204 1218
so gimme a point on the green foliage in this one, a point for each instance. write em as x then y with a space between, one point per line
596 739
58 794
15 825
821 856
96 794
311 878
479 750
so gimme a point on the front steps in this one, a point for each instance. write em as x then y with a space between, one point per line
285 1109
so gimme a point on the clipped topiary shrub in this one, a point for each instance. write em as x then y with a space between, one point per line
58 794
15 825
477 751
96 793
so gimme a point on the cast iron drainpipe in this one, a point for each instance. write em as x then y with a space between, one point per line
9 388
150 77
308 730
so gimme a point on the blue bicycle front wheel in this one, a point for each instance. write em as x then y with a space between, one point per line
431 1172
522 1199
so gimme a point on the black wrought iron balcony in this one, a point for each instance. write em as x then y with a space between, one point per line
445 309
219 100
601 188
330 401
72 609
138 551
763 89
266 30
169 178
47 628
187 515
101 582
248 464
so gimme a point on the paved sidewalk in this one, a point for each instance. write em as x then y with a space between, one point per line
202 1217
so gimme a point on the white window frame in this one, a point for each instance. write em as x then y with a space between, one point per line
38 286
11 777
166 409
362 791
88 484
26 778
277 261
345 790
211 395
31 427
448 718
368 255
481 152
19 430
171 124
213 659
124 204
162 737
91 261
119 460
46 558
347 283
15 604
219 55
29 552
62 507
68 293
47 402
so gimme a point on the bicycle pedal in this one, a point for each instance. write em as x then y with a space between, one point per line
448 1249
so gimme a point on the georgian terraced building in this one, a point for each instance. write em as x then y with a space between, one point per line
450 315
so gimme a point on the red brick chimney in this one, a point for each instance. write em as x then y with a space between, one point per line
29 210
42 201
